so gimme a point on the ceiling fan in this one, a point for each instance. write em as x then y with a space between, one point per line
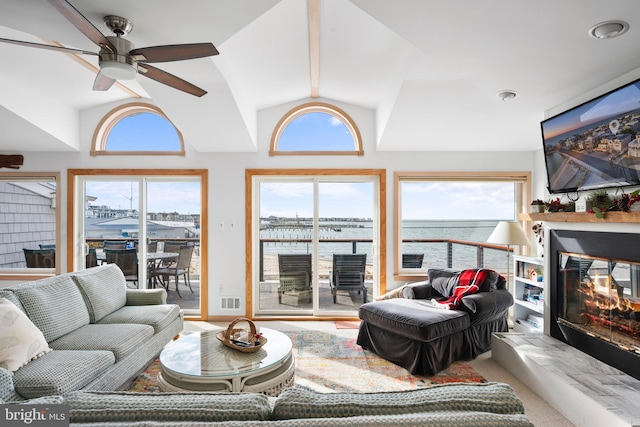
118 57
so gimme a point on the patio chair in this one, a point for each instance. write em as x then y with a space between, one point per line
91 258
348 274
172 246
181 268
40 258
412 260
114 245
127 260
295 275
152 246
47 246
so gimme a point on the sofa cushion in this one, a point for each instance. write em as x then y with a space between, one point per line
11 296
55 305
300 402
91 406
104 289
158 316
61 371
414 318
20 340
120 339
443 280
430 419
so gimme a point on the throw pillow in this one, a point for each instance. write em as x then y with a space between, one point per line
20 340
443 280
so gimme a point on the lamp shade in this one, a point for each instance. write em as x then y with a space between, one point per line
508 233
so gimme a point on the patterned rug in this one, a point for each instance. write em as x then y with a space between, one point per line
333 362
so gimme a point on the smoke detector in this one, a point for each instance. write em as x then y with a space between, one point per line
507 95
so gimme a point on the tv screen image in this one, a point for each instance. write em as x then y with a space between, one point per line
596 144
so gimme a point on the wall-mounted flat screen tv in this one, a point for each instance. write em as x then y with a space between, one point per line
596 144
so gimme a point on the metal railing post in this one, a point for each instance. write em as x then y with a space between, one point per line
261 260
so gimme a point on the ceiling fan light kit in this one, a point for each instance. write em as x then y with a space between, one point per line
115 65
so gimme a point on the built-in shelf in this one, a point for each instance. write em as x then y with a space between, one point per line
632 217
528 292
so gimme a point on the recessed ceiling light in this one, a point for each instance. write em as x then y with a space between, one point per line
608 29
507 95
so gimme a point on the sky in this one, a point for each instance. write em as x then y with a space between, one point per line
171 196
312 131
458 200
316 131
143 131
420 200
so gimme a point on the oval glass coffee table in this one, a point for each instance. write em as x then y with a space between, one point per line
198 361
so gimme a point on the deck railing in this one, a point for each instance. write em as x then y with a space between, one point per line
450 244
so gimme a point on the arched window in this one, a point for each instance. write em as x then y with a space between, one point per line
137 128
316 128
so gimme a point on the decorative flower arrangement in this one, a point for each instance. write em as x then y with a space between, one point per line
556 205
602 202
538 231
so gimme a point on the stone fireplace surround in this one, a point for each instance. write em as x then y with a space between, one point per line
584 389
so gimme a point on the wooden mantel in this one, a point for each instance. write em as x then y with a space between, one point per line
628 217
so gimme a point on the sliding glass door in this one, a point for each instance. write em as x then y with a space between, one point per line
301 224
149 225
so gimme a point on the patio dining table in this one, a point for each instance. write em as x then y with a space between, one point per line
154 259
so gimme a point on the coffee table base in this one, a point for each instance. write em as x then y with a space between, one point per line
270 383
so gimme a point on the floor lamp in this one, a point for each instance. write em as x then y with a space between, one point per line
508 233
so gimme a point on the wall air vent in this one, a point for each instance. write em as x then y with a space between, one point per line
230 303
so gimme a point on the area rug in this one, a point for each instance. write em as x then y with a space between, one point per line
347 324
333 362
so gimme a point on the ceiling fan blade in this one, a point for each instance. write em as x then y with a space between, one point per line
169 80
47 46
175 52
82 24
102 82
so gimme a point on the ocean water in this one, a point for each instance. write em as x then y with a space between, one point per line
333 232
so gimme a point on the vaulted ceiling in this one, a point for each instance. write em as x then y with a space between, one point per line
429 69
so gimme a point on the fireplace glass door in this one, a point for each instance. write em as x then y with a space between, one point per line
601 299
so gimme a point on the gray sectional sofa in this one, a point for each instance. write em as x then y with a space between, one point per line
461 405
101 333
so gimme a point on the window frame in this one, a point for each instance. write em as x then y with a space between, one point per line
522 177
113 117
27 274
72 199
316 107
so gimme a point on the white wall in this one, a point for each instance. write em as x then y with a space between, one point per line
226 181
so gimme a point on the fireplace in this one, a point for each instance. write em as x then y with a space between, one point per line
595 295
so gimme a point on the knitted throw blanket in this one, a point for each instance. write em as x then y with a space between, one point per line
469 282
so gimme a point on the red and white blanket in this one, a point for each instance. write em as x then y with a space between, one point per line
469 282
